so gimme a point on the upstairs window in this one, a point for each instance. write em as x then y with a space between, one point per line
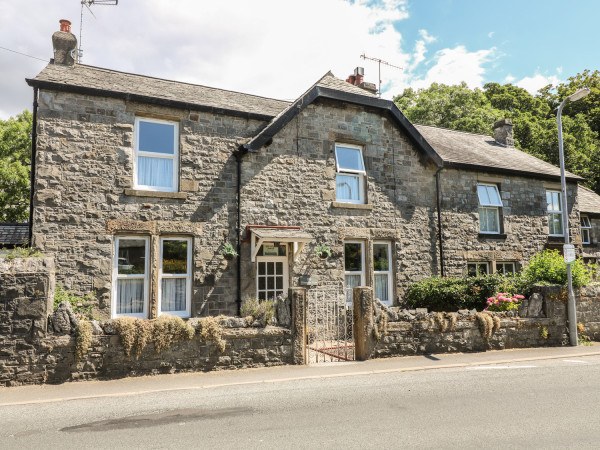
555 227
350 176
156 155
489 208
586 229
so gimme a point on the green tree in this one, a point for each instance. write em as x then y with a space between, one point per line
534 117
15 164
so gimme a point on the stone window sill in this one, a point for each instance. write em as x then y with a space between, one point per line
351 206
556 239
492 236
156 194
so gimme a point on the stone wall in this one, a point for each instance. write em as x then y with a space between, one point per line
52 359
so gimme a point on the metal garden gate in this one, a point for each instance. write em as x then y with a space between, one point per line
329 326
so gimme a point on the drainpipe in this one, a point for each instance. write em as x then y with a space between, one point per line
238 156
439 217
33 157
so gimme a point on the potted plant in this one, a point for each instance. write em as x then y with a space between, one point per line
323 251
228 251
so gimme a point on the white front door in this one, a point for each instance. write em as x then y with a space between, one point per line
271 276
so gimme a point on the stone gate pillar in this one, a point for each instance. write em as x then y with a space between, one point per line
364 342
298 298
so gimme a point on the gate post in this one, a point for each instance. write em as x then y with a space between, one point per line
298 297
363 322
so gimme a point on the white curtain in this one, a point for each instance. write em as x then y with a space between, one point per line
346 187
155 171
130 296
352 281
381 287
173 294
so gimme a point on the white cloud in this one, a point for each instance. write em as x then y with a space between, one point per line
426 37
452 66
536 82
491 34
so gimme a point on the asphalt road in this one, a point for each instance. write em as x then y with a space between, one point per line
509 402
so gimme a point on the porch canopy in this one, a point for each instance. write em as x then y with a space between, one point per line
278 234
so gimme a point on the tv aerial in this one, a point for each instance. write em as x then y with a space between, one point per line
380 62
88 4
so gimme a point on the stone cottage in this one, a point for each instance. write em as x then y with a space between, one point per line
140 182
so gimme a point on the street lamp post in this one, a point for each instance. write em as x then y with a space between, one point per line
571 309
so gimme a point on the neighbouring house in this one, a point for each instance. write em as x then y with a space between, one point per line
13 235
140 182
589 209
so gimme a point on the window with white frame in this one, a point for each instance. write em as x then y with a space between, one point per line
553 199
354 267
156 155
382 271
130 275
586 230
350 176
175 281
489 208
478 268
505 268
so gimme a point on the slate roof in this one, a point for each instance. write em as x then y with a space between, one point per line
471 151
13 234
122 84
589 201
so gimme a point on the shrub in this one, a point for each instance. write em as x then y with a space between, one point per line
168 329
549 267
133 333
22 252
503 301
208 329
81 306
263 311
452 294
83 339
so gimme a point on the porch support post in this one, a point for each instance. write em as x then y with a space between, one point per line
298 297
364 341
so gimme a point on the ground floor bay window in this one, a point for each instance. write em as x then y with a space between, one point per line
175 284
382 272
130 272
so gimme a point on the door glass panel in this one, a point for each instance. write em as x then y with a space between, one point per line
270 268
279 267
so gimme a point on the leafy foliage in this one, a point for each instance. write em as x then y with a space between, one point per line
83 339
23 252
452 294
255 309
549 267
15 162
81 306
534 117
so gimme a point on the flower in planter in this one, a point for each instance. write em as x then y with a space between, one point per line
323 251
228 251
503 301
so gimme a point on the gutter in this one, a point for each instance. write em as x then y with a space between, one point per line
33 158
439 217
239 154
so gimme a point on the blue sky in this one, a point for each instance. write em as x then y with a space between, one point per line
278 48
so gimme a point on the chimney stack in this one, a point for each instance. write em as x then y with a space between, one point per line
65 44
503 132
357 79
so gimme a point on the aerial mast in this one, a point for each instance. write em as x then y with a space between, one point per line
380 62
88 4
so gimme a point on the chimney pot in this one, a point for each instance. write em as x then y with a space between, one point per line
65 25
503 132
64 42
359 71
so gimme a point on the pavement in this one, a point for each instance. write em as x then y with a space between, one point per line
23 395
